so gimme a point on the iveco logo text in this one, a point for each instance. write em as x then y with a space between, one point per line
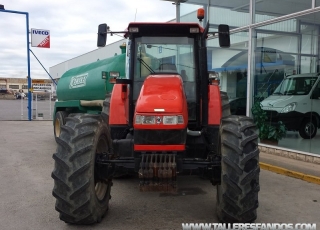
78 81
40 32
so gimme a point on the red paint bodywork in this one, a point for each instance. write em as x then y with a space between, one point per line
214 107
159 148
162 92
118 114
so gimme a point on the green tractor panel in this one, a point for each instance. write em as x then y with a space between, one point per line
164 117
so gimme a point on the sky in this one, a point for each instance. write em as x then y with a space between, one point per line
73 26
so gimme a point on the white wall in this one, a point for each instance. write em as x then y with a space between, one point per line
99 54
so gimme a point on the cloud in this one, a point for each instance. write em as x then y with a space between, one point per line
73 28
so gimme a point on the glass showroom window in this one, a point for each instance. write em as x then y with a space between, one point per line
233 13
286 81
232 66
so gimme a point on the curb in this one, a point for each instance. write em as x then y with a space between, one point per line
290 173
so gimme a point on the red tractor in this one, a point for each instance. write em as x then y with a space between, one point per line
166 117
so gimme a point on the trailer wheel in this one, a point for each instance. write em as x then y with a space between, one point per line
237 195
60 120
308 128
81 196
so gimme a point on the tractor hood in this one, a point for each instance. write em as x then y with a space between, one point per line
161 93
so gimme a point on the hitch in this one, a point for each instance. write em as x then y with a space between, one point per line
158 172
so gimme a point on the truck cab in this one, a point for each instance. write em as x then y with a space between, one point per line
296 103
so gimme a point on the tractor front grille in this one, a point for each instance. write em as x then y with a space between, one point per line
160 137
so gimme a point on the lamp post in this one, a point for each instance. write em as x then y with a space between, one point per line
28 53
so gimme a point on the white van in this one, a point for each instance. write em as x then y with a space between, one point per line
296 103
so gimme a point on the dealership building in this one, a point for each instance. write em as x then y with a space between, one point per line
270 41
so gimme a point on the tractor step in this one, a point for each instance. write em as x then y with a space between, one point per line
158 172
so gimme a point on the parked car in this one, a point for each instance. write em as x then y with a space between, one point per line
20 95
296 102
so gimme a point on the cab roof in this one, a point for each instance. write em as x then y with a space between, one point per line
163 29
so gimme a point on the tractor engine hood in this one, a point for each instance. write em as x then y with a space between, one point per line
161 93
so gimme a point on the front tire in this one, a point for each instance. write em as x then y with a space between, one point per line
81 196
308 128
237 195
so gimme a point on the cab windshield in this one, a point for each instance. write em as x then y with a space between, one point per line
166 55
295 86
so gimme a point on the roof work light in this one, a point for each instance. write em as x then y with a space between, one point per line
200 14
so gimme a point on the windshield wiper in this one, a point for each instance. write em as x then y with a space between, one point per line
146 65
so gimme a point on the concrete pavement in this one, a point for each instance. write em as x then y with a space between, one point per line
26 202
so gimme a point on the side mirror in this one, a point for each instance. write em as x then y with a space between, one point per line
102 35
224 36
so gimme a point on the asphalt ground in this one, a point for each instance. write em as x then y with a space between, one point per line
26 149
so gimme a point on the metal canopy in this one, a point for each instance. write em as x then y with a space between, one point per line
265 7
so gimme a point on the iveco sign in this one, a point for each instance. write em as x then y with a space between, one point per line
40 38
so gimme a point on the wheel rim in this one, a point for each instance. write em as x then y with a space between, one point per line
101 186
57 127
309 128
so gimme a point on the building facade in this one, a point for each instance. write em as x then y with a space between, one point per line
271 41
14 85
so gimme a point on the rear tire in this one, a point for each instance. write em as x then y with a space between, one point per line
308 128
237 195
81 196
60 120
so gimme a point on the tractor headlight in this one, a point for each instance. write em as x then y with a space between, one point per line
145 120
173 120
165 120
289 108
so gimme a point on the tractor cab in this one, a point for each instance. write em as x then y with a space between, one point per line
162 102
160 50
162 55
